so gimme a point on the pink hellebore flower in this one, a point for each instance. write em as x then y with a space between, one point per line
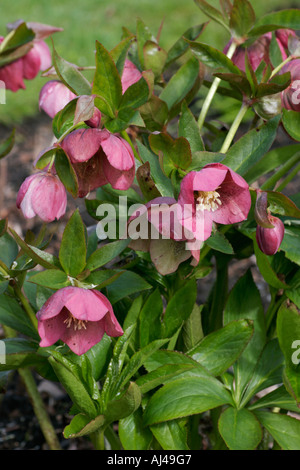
26 67
214 194
77 316
54 96
99 157
155 228
269 239
44 195
257 52
130 75
290 97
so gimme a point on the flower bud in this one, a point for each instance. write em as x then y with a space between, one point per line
269 239
291 95
257 52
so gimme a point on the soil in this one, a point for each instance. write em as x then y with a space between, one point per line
19 428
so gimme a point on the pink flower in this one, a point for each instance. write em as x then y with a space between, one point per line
98 158
290 97
44 195
257 52
54 96
269 239
27 67
77 316
155 228
130 75
214 194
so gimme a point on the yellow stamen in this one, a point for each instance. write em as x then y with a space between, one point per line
77 324
208 200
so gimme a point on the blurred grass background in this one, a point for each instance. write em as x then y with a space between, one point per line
84 21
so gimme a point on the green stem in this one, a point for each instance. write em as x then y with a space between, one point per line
97 439
233 130
113 439
27 307
40 410
212 90
279 67
270 183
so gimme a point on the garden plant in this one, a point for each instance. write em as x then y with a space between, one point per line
177 199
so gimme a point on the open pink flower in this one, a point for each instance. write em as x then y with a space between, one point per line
130 75
269 239
290 97
77 316
44 195
98 158
257 52
155 228
214 194
27 67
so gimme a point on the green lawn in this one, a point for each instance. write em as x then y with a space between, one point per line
87 20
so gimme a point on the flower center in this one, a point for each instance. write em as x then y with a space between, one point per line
77 324
207 200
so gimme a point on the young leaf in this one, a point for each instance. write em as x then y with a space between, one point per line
133 434
212 13
72 252
240 429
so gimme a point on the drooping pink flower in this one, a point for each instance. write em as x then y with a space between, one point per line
54 96
27 67
44 195
130 75
79 317
257 52
98 158
270 239
282 38
155 228
214 194
290 97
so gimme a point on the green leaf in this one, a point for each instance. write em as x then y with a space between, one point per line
176 153
146 183
8 249
244 302
105 254
107 82
143 34
291 123
266 269
119 53
217 241
133 434
185 397
124 406
181 83
192 331
171 435
291 244
64 119
69 376
276 20
277 398
240 429
7 144
72 252
288 331
154 57
17 38
51 278
220 349
212 57
20 352
284 429
154 113
189 129
242 18
212 13
70 75
82 425
181 45
162 375
150 319
99 356
66 172
126 284
251 147
162 183
291 380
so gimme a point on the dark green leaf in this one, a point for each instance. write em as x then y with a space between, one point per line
181 45
291 123
240 429
72 252
70 75
7 144
276 20
105 254
212 57
66 172
242 18
189 129
284 429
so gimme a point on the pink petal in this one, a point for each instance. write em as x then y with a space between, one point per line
52 329
86 305
82 144
54 96
44 53
118 152
12 75
130 75
81 340
31 64
119 179
49 198
55 303
209 178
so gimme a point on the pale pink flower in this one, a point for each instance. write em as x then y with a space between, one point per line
44 195
27 67
215 194
54 96
130 75
270 239
78 317
155 228
98 158
290 97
